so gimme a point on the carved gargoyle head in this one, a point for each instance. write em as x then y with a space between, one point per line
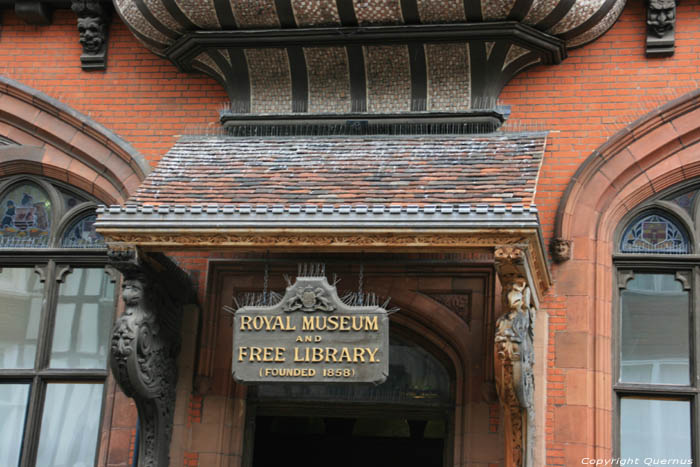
661 16
561 250
92 33
133 290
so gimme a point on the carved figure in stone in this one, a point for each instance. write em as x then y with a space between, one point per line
92 33
561 250
515 379
661 16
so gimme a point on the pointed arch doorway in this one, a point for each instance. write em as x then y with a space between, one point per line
405 421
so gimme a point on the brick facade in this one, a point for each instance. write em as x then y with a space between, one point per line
583 103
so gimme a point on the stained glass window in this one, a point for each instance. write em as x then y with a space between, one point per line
685 200
82 234
25 217
71 199
653 233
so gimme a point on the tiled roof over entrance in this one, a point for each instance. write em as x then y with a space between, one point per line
497 169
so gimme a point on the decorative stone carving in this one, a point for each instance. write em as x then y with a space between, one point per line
515 357
661 25
145 343
561 250
309 299
459 303
93 24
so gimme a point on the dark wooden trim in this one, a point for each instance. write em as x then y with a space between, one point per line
550 48
556 15
285 13
409 11
240 94
477 58
224 13
520 10
472 10
358 78
346 11
178 15
590 22
300 79
229 82
160 27
419 77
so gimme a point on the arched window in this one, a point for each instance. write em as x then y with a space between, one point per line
57 303
656 330
654 233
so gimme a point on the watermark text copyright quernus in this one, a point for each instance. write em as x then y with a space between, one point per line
648 461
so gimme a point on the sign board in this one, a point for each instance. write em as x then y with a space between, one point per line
311 336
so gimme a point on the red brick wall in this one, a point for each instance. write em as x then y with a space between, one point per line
141 97
598 90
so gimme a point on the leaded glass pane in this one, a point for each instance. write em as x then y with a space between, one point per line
13 412
685 200
25 220
71 199
70 425
20 310
82 234
83 319
655 317
654 234
655 429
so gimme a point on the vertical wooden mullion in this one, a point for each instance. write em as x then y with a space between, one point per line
695 361
617 337
32 425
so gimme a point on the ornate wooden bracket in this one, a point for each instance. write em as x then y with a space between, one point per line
661 27
93 25
145 344
515 355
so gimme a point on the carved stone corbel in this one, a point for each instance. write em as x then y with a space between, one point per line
93 26
145 343
561 250
661 26
515 356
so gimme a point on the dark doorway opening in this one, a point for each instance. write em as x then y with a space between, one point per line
314 441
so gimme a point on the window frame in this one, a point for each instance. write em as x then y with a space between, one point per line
625 265
52 263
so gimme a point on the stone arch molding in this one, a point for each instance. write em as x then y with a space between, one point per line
653 153
44 137
658 151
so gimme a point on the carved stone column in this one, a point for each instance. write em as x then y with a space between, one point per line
145 344
515 355
661 27
93 25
